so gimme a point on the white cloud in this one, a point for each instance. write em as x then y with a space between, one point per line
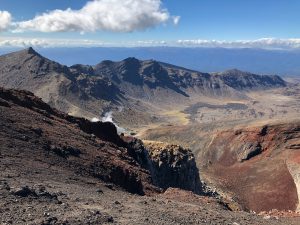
148 43
5 20
102 15
176 19
48 43
20 42
265 43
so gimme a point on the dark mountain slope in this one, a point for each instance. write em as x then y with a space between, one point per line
30 63
139 76
248 81
65 88
29 70
135 76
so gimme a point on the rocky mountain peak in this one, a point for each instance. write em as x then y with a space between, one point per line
131 60
107 62
130 63
25 53
19 56
31 51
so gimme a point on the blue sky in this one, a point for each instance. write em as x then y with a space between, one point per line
202 22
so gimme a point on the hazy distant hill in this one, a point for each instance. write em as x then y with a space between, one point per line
88 90
282 62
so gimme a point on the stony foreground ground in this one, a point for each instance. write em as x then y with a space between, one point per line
69 199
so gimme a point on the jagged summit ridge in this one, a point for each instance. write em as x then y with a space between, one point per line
77 89
241 80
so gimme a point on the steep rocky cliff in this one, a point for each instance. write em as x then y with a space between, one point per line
173 166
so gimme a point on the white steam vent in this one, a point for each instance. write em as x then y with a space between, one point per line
95 120
108 117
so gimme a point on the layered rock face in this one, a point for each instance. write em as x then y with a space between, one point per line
260 165
173 166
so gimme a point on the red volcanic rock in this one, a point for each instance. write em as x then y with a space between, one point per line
260 165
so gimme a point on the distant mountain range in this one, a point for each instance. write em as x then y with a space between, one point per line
282 62
86 90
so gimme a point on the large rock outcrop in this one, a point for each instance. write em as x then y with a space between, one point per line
173 166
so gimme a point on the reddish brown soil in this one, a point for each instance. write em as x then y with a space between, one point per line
261 182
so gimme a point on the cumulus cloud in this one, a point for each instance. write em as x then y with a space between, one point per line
102 15
5 20
266 43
